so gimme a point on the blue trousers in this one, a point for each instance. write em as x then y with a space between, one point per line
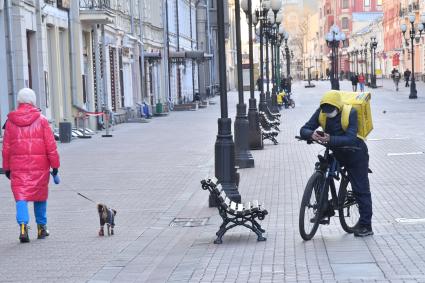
22 216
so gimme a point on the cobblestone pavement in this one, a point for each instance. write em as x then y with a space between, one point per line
150 173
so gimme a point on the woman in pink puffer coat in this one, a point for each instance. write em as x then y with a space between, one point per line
29 151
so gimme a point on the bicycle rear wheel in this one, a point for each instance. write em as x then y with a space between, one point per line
310 213
348 208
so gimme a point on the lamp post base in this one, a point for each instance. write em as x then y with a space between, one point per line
334 84
255 138
225 170
373 82
268 99
413 91
243 156
274 108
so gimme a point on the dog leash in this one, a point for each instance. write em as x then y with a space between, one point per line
86 197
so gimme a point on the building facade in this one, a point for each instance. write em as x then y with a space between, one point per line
91 55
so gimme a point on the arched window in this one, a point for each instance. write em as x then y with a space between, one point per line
345 23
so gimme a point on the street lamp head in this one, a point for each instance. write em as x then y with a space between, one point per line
412 18
270 17
275 5
329 37
282 31
403 28
254 19
244 5
286 35
279 17
421 27
337 37
334 28
343 36
266 5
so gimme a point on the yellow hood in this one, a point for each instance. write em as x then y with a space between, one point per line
332 97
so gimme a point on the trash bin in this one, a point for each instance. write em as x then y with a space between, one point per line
65 132
159 109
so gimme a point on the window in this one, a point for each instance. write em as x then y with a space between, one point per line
379 3
367 3
345 4
345 23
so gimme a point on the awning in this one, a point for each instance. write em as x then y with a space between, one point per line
198 55
152 56
177 54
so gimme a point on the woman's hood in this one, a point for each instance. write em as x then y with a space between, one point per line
24 116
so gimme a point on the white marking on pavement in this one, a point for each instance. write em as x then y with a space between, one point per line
410 220
387 139
405 153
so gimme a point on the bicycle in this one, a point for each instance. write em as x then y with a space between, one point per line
328 171
288 101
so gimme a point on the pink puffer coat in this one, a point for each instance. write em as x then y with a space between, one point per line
29 151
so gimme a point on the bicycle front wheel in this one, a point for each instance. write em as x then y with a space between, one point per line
310 209
348 208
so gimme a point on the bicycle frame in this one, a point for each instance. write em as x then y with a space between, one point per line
331 169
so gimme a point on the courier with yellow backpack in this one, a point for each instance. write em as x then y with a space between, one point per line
345 120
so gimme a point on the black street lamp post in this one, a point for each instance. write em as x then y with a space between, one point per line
266 17
365 60
225 169
255 136
356 53
275 39
244 157
412 17
333 40
373 46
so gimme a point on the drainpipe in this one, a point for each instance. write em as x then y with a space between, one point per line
73 18
10 45
39 55
168 50
142 53
191 48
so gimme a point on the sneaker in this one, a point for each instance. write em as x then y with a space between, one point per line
23 235
42 231
363 231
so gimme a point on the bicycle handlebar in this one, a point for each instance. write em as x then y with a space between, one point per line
310 141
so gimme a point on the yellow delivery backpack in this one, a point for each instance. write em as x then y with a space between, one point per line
280 98
361 102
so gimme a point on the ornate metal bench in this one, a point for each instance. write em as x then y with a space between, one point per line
235 214
269 123
269 135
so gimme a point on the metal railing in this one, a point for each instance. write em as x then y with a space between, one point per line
95 4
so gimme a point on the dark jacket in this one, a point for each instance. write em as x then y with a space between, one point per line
407 75
354 79
339 137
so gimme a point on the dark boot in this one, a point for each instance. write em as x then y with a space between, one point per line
42 231
23 235
363 230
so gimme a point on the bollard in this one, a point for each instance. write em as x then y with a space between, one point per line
85 118
106 118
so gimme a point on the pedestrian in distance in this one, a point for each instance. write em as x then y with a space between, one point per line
354 81
395 75
356 162
362 81
29 151
259 82
407 74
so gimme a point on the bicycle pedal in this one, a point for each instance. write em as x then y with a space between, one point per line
325 221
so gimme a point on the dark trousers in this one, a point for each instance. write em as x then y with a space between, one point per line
407 83
358 173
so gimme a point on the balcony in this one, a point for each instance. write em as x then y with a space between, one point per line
96 12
